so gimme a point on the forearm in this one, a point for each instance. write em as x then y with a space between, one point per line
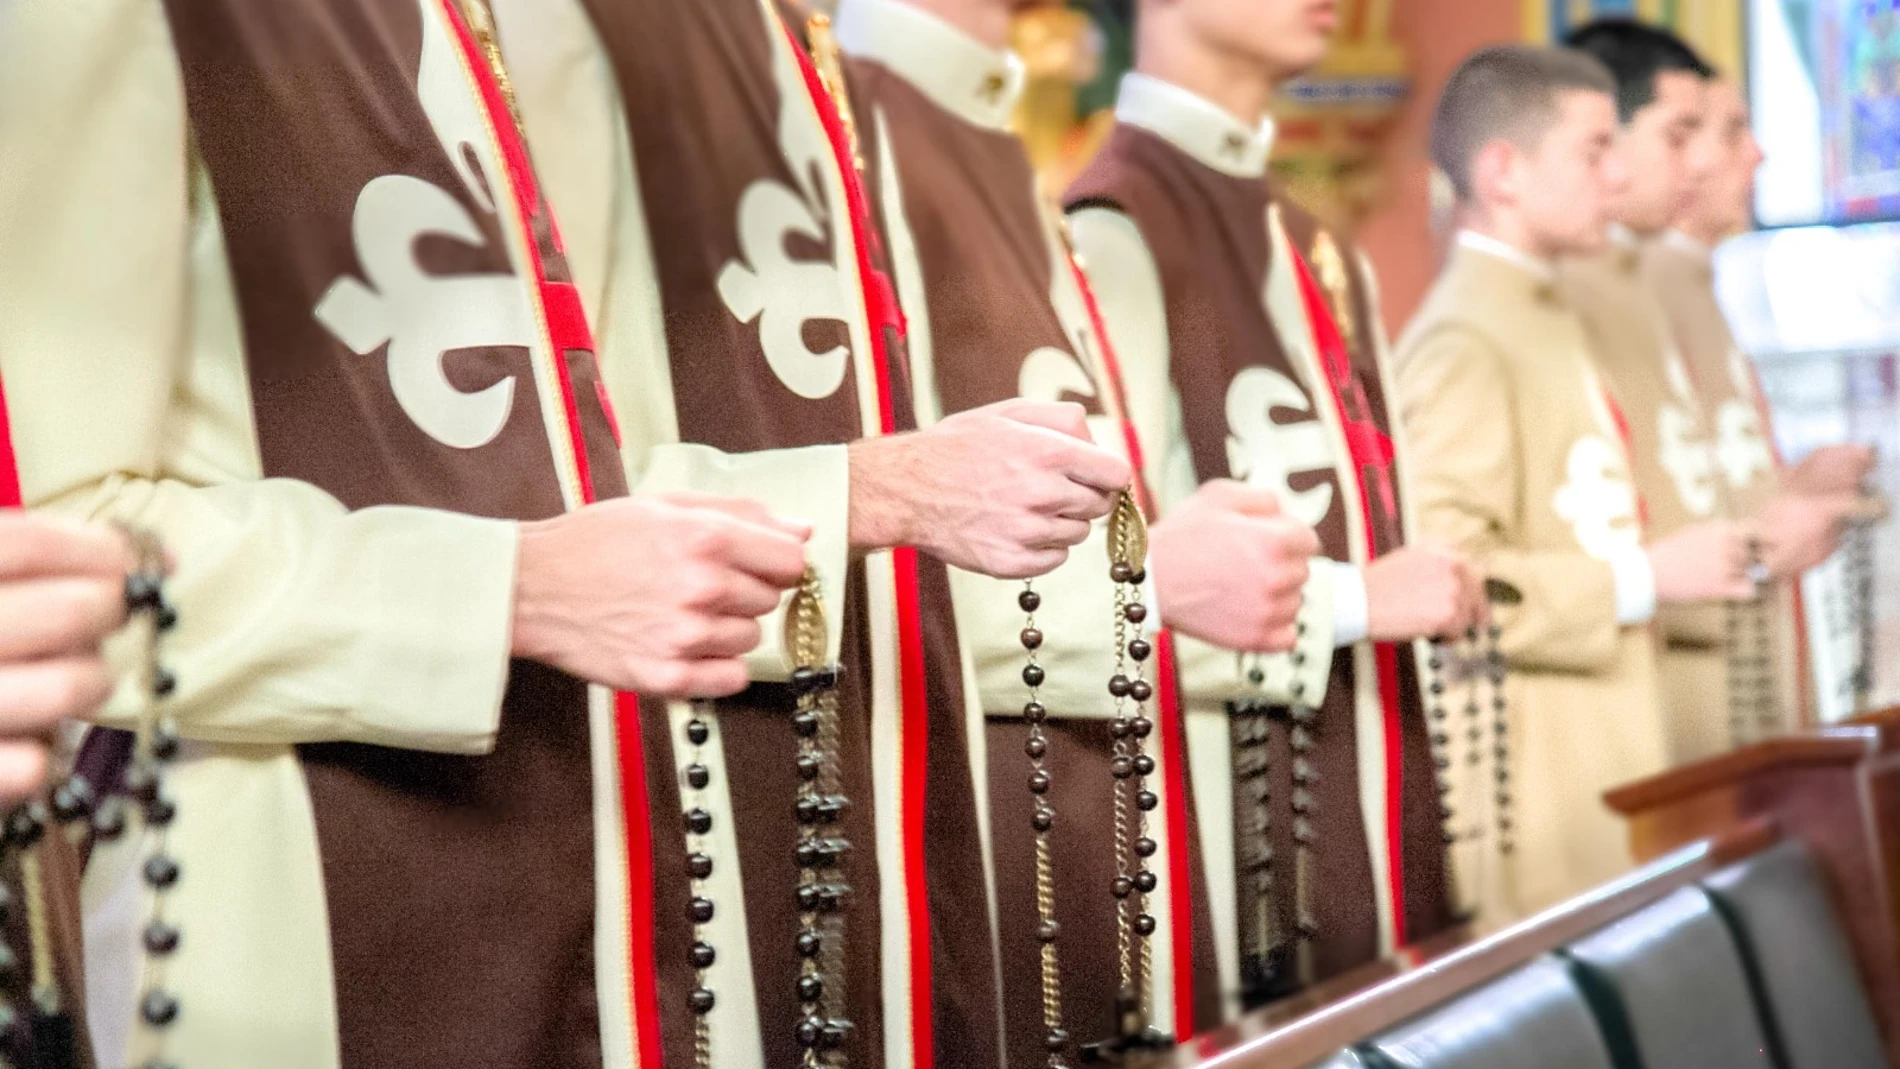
301 622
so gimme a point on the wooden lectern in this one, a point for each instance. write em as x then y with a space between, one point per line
1838 790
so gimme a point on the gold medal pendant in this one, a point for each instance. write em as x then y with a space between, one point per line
1127 535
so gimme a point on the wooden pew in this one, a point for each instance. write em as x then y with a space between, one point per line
1310 1028
1838 790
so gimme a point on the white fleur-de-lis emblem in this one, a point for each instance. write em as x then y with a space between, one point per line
422 318
1267 454
766 284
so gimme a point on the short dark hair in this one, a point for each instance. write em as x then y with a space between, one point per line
1510 92
1636 53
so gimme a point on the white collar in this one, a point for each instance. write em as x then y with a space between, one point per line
1683 243
1195 125
1538 267
959 74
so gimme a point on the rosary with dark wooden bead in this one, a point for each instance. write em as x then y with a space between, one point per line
1481 665
1134 801
699 869
1042 819
821 852
1860 582
1753 706
46 1027
1276 958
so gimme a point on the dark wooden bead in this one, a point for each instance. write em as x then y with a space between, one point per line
164 682
1257 675
807 767
1029 601
700 1001
1145 882
158 1009
164 744
26 825
1135 612
1056 1039
1043 818
698 776
1146 801
702 956
805 723
804 679
1121 887
1141 727
810 1032
1145 847
1039 782
141 781
698 731
1033 675
72 800
108 821
1036 746
1048 931
699 866
1140 690
1121 766
698 821
1118 686
1121 572
161 810
1031 638
700 909
810 989
809 943
142 591
160 938
1139 649
1035 712
834 1035
1140 576
1144 765
1144 924
166 618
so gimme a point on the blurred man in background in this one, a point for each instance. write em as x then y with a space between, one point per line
1522 460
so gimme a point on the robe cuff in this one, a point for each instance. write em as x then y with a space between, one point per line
1635 580
1352 609
812 484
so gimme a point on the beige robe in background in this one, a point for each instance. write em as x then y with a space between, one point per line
1515 460
1677 270
1673 458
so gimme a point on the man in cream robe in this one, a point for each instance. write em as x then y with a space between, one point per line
1724 668
1677 266
996 310
281 289
1521 458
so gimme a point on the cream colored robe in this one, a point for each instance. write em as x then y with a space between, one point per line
1675 467
1516 461
1678 272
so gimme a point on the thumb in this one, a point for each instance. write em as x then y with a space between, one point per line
1240 498
1063 417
